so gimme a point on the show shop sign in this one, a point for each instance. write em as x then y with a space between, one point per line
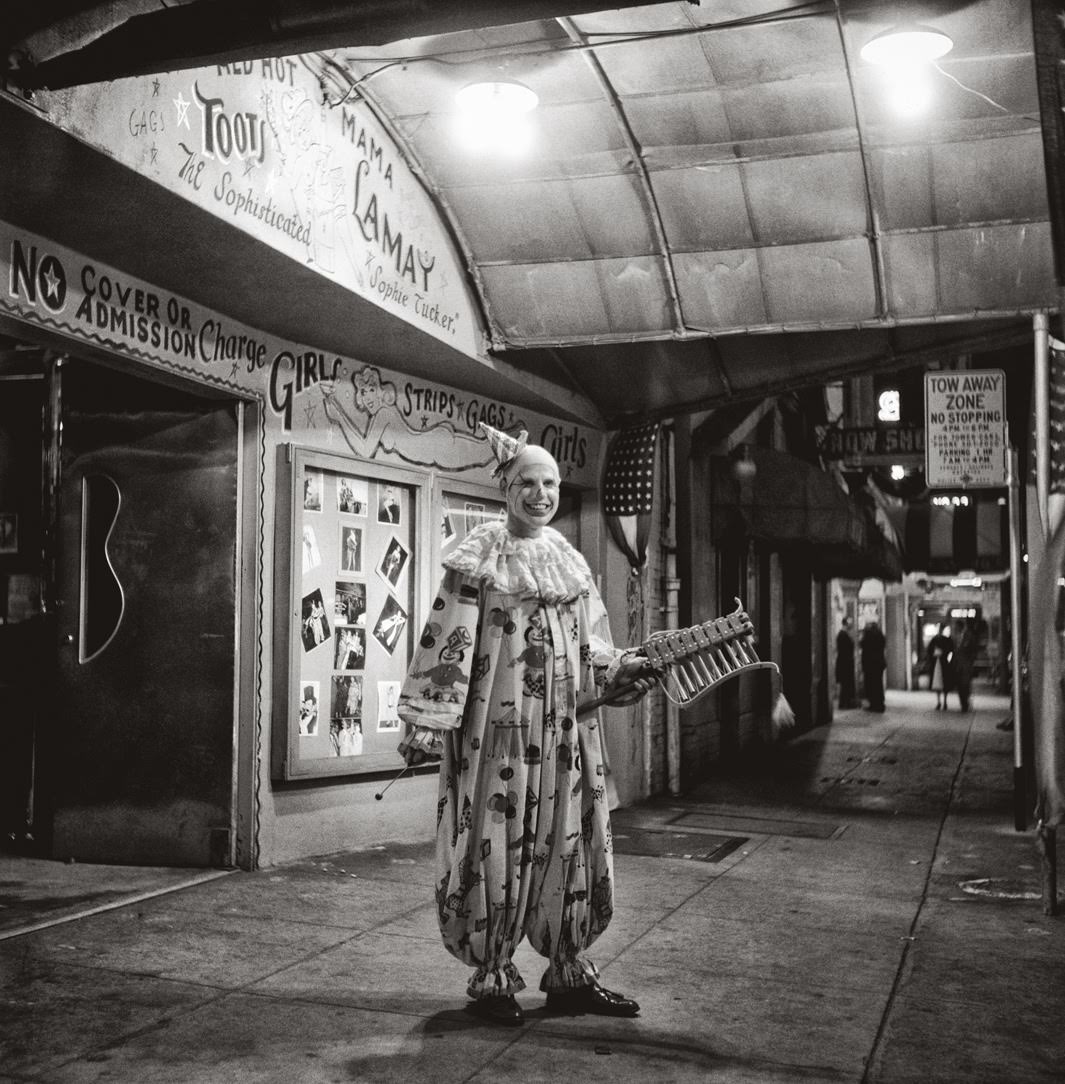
965 421
323 399
261 145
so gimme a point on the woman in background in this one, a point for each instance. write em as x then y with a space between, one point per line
940 655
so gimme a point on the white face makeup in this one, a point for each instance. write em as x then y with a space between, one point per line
531 492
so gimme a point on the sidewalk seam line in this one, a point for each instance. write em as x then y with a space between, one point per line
876 1050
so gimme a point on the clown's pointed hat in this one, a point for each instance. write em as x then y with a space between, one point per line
504 447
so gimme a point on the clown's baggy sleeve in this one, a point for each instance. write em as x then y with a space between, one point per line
433 695
605 657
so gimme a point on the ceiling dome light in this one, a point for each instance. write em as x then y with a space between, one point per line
503 96
494 117
906 45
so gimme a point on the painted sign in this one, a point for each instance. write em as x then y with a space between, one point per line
866 445
965 419
259 144
377 414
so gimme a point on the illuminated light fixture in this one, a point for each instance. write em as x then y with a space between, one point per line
904 46
966 581
497 96
888 405
898 472
904 54
494 116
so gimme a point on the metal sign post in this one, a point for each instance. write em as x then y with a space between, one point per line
967 447
1020 804
1046 834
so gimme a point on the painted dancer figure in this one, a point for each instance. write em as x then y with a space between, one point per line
523 833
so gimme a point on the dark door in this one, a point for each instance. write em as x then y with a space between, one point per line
137 760
796 641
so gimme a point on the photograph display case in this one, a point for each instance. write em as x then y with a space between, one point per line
349 535
463 507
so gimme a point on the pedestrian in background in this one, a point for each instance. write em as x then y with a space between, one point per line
963 661
845 665
940 653
873 663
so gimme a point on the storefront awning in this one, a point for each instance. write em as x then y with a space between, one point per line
788 503
951 537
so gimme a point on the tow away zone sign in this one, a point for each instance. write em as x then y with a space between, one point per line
965 423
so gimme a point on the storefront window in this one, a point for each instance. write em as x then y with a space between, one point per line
353 578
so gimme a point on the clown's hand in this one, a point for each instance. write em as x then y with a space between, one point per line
636 675
423 745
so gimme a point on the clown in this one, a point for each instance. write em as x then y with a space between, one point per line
523 842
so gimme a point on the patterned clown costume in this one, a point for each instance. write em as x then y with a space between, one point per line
517 638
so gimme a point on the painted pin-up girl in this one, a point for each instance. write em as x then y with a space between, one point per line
374 423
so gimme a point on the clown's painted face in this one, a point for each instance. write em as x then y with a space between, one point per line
531 492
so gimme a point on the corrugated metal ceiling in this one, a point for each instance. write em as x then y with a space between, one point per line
718 201
732 167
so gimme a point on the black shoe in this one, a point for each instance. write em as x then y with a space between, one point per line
498 1010
576 1000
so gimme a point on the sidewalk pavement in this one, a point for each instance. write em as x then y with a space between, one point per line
861 910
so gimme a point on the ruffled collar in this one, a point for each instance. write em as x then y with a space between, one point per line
547 567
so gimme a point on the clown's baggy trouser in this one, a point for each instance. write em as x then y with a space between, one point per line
523 828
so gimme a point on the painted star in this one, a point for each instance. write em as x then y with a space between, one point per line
155 153
309 412
53 284
155 88
182 111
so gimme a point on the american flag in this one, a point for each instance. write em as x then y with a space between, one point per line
1057 425
628 489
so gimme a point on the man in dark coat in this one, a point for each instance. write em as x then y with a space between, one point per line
963 662
872 648
845 665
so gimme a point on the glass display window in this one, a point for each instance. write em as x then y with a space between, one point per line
351 538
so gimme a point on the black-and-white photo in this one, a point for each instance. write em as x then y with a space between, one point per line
312 491
390 624
345 737
349 603
350 549
388 509
350 652
347 696
315 623
394 562
308 708
474 514
352 495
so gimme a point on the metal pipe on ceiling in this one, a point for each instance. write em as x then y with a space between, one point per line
201 33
